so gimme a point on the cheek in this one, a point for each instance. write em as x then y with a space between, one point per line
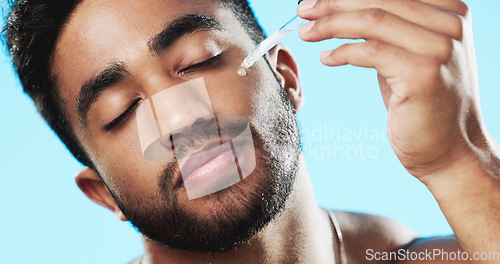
232 94
133 178
122 164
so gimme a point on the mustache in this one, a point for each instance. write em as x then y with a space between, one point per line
186 140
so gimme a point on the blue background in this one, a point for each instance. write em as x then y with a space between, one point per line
44 218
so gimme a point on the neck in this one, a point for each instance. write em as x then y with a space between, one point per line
301 233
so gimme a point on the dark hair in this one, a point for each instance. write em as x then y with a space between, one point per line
31 31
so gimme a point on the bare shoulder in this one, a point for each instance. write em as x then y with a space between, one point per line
365 235
437 250
365 232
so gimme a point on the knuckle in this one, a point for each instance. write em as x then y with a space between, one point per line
323 7
329 4
456 6
430 70
444 49
324 25
341 50
456 27
374 15
374 46
462 8
328 21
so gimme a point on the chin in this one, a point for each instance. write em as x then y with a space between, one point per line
235 197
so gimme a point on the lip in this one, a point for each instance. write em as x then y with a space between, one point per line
202 161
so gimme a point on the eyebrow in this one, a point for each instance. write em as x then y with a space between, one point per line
116 72
184 25
93 88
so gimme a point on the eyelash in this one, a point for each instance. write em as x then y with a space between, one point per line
117 121
186 71
199 66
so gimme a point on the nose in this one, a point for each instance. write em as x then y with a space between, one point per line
180 108
175 111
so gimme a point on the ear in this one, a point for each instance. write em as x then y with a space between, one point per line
287 72
92 185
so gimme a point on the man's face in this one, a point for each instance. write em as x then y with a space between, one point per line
114 40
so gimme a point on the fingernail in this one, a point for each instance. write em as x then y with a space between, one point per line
307 27
325 54
307 4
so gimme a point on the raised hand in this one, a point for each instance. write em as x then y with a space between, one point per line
423 52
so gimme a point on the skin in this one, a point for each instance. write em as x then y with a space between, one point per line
450 152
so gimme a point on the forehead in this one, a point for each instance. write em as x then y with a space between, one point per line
104 25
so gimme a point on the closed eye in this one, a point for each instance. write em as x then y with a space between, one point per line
120 119
202 65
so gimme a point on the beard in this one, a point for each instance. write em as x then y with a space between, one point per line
237 213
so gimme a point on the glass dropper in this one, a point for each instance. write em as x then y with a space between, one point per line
266 45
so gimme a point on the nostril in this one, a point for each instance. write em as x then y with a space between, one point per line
199 120
174 137
198 124
167 140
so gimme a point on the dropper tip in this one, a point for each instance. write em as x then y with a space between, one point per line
246 63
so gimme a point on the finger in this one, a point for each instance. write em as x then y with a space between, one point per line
453 6
434 19
380 25
392 63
